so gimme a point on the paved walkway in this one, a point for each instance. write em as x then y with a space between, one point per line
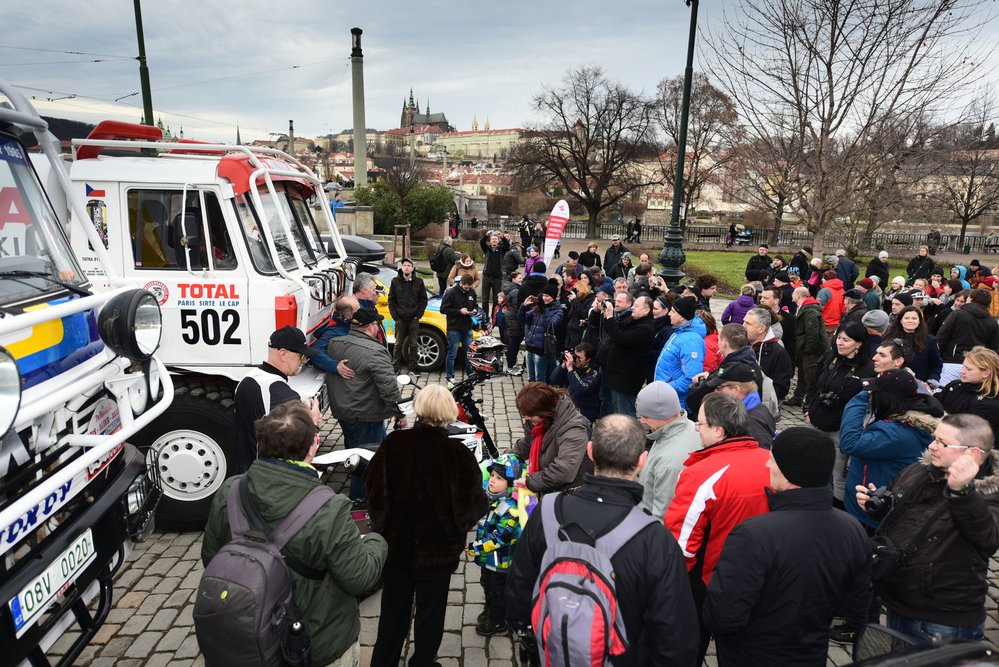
151 623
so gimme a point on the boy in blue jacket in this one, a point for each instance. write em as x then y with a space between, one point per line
495 537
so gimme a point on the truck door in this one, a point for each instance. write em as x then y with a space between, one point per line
181 250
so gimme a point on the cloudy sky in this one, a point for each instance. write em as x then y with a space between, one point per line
216 63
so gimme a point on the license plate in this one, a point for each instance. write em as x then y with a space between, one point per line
35 598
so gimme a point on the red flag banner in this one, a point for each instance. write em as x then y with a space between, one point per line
556 225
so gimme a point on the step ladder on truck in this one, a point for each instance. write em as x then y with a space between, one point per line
224 236
78 379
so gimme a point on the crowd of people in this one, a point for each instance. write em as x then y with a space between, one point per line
652 436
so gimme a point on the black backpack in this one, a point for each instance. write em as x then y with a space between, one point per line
244 612
437 261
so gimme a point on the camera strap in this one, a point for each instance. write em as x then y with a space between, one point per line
913 544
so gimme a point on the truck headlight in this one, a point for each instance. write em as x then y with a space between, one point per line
10 391
131 324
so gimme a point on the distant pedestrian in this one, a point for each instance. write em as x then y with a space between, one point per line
590 257
445 257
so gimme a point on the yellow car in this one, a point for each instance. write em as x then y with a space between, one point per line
431 342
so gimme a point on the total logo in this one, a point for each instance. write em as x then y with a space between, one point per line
159 290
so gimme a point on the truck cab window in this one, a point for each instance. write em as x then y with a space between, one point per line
166 227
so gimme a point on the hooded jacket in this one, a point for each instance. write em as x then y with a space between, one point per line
537 324
799 264
783 576
809 329
671 446
831 298
682 357
946 579
629 342
720 486
653 594
407 299
425 518
883 448
837 381
966 327
773 360
962 275
563 450
329 542
736 310
663 330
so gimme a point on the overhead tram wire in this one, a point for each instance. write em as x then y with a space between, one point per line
68 53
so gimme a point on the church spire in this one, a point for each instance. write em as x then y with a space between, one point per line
475 123
486 126
428 106
411 102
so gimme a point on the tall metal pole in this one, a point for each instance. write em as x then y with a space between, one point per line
147 95
672 256
360 132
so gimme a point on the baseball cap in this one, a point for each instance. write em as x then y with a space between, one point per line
292 339
734 371
365 316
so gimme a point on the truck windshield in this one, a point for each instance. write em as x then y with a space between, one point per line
34 254
303 235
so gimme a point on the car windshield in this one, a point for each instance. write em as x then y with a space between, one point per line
304 235
35 257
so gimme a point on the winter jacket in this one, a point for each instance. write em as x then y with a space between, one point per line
946 579
537 324
925 365
613 256
663 330
736 310
872 300
712 357
962 275
720 486
492 258
800 264
329 542
671 445
512 261
458 271
848 272
696 394
511 308
563 450
809 330
653 595
831 298
682 357
496 535
619 270
881 449
589 259
958 397
919 267
880 269
529 263
584 385
775 362
966 327
454 300
373 393
425 517
855 314
323 336
837 381
449 257
758 267
533 285
576 318
407 299
630 339
762 425
782 577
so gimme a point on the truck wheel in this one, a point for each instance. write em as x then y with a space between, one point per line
192 445
431 349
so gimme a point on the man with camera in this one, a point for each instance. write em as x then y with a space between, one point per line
939 528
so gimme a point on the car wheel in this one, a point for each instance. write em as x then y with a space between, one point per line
431 349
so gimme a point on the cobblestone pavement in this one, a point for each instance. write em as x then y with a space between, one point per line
151 622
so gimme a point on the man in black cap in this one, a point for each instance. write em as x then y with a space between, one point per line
783 576
758 266
372 396
800 263
266 387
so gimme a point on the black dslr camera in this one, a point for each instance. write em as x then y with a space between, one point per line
829 399
880 502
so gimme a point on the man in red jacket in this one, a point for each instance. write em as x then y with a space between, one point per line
720 485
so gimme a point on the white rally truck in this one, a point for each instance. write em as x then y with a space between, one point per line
78 380
224 236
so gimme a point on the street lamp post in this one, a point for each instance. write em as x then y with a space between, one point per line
672 256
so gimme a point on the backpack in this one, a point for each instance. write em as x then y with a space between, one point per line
575 611
244 608
437 261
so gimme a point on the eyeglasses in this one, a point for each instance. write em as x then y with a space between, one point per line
700 424
956 446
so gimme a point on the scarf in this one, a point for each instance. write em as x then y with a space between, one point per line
537 433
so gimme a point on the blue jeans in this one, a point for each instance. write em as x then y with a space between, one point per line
539 367
454 338
929 631
357 434
623 403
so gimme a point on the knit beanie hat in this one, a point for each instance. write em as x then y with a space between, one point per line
686 306
657 400
866 283
782 276
551 289
904 298
805 456
875 319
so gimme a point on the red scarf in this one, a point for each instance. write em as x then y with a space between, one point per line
538 433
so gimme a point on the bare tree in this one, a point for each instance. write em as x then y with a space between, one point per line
835 75
590 140
401 180
712 129
967 185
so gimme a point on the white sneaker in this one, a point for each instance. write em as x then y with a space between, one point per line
451 384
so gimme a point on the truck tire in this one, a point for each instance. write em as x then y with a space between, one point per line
431 350
192 445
